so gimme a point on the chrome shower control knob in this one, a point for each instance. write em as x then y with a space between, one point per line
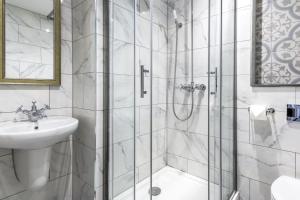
200 87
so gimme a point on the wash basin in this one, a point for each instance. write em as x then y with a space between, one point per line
44 133
32 143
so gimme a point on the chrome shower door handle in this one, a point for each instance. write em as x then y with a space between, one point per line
143 71
216 81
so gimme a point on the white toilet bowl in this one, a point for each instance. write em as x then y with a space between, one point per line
285 188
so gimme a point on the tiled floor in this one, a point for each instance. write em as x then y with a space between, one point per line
174 184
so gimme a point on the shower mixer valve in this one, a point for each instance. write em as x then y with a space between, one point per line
191 87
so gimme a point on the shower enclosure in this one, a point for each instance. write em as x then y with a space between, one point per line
170 130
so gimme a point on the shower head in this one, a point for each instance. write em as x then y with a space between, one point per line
178 24
175 14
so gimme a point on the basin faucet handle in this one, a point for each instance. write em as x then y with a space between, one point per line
19 109
47 107
33 107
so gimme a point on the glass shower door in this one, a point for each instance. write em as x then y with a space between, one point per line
122 111
222 100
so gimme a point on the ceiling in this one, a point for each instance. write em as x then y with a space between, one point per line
43 7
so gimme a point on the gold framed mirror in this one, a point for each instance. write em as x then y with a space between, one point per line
30 42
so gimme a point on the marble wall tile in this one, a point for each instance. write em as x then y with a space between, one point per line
274 97
58 189
81 190
22 95
159 117
23 17
259 191
243 126
198 169
123 58
9 182
84 159
47 57
157 164
123 183
198 123
177 162
12 69
99 168
66 60
83 55
244 18
228 26
35 37
160 65
143 32
144 116
264 164
123 24
200 62
61 160
173 122
85 133
244 188
123 124
244 57
30 70
123 158
84 92
60 112
159 91
67 3
66 23
11 32
83 19
123 91
192 146
159 12
61 97
23 52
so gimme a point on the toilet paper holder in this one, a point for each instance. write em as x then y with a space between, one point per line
270 111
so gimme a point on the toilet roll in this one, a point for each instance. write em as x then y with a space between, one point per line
258 112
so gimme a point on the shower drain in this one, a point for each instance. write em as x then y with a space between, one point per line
155 191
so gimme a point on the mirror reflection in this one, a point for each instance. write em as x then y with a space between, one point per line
29 39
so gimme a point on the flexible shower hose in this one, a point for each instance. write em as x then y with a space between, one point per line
174 84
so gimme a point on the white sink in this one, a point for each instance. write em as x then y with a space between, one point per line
31 143
23 135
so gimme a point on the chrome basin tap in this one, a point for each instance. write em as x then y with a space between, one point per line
34 114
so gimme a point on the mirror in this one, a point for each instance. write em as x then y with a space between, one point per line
276 41
30 42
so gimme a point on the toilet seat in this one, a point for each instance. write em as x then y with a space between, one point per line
285 188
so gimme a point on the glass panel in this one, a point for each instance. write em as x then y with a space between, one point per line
143 104
214 101
123 113
227 90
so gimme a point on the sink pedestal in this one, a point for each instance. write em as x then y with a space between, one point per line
32 167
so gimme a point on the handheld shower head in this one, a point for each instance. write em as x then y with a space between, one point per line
175 14
178 24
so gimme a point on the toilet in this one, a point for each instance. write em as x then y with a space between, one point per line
285 188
